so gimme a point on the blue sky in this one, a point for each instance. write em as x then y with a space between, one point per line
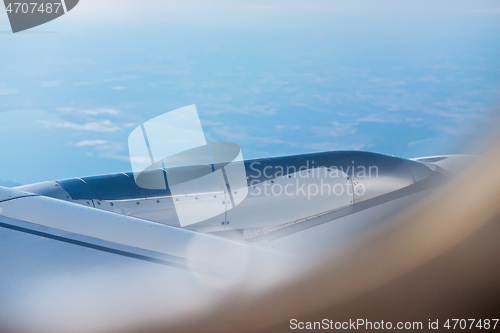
275 77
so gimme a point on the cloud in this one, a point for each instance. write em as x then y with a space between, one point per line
327 146
456 115
239 134
429 78
211 123
373 119
118 88
86 83
418 142
336 130
5 90
105 149
413 120
261 110
254 110
212 113
90 112
84 143
8 91
50 83
112 150
387 82
118 79
449 130
280 127
97 126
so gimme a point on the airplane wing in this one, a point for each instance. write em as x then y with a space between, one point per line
291 200
64 263
91 252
